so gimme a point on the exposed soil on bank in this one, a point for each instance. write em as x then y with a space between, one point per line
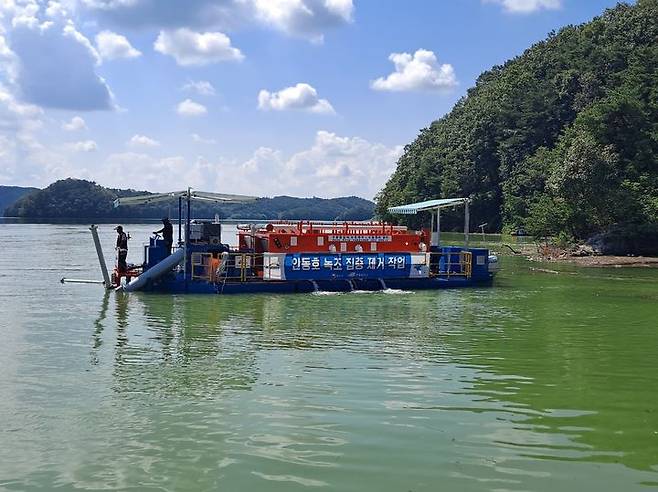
577 255
584 256
611 261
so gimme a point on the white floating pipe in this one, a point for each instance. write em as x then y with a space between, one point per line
155 271
80 281
101 259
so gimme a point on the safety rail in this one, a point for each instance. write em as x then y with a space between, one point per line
242 267
463 267
211 268
323 227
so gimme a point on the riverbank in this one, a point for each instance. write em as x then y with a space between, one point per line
584 256
612 261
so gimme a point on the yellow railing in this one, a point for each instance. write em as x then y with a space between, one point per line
463 267
204 269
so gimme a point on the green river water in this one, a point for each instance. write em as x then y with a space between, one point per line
541 382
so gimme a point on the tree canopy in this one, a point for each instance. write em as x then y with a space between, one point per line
76 198
562 139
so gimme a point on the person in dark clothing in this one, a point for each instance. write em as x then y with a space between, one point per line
167 232
122 249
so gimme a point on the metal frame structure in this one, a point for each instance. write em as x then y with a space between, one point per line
435 206
187 195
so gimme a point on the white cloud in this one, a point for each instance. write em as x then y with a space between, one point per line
12 110
21 13
201 87
527 6
70 31
144 172
307 18
76 123
194 48
22 157
419 71
82 146
332 166
190 108
112 46
301 96
199 139
143 141
57 66
56 10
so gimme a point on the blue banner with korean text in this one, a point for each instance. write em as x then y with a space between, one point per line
320 266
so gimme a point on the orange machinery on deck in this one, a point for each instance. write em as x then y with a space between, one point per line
331 237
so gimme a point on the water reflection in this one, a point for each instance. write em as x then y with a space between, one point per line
99 326
504 380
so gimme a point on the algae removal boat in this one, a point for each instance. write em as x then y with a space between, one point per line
300 256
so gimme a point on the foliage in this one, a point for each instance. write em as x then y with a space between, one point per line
563 138
9 194
76 198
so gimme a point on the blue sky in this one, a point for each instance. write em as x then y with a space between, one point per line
267 97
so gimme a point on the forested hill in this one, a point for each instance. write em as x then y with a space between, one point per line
562 139
9 194
76 198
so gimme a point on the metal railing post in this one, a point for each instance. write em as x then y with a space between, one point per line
467 220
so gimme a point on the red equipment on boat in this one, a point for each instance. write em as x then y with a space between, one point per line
309 236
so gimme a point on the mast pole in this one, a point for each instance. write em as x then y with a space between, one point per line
180 217
187 236
432 230
438 226
467 219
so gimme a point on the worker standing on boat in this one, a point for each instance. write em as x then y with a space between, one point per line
167 232
122 249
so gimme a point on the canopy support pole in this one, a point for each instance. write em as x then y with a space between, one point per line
467 220
438 226
187 236
180 218
432 243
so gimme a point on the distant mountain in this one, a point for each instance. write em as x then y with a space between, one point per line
77 198
9 194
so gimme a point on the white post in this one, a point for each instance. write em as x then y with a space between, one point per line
467 219
187 235
101 259
432 243
438 226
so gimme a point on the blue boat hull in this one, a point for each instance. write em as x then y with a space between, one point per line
451 267
178 285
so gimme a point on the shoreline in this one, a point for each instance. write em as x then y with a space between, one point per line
582 257
604 261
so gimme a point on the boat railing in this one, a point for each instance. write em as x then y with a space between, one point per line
451 264
242 267
221 268
324 227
